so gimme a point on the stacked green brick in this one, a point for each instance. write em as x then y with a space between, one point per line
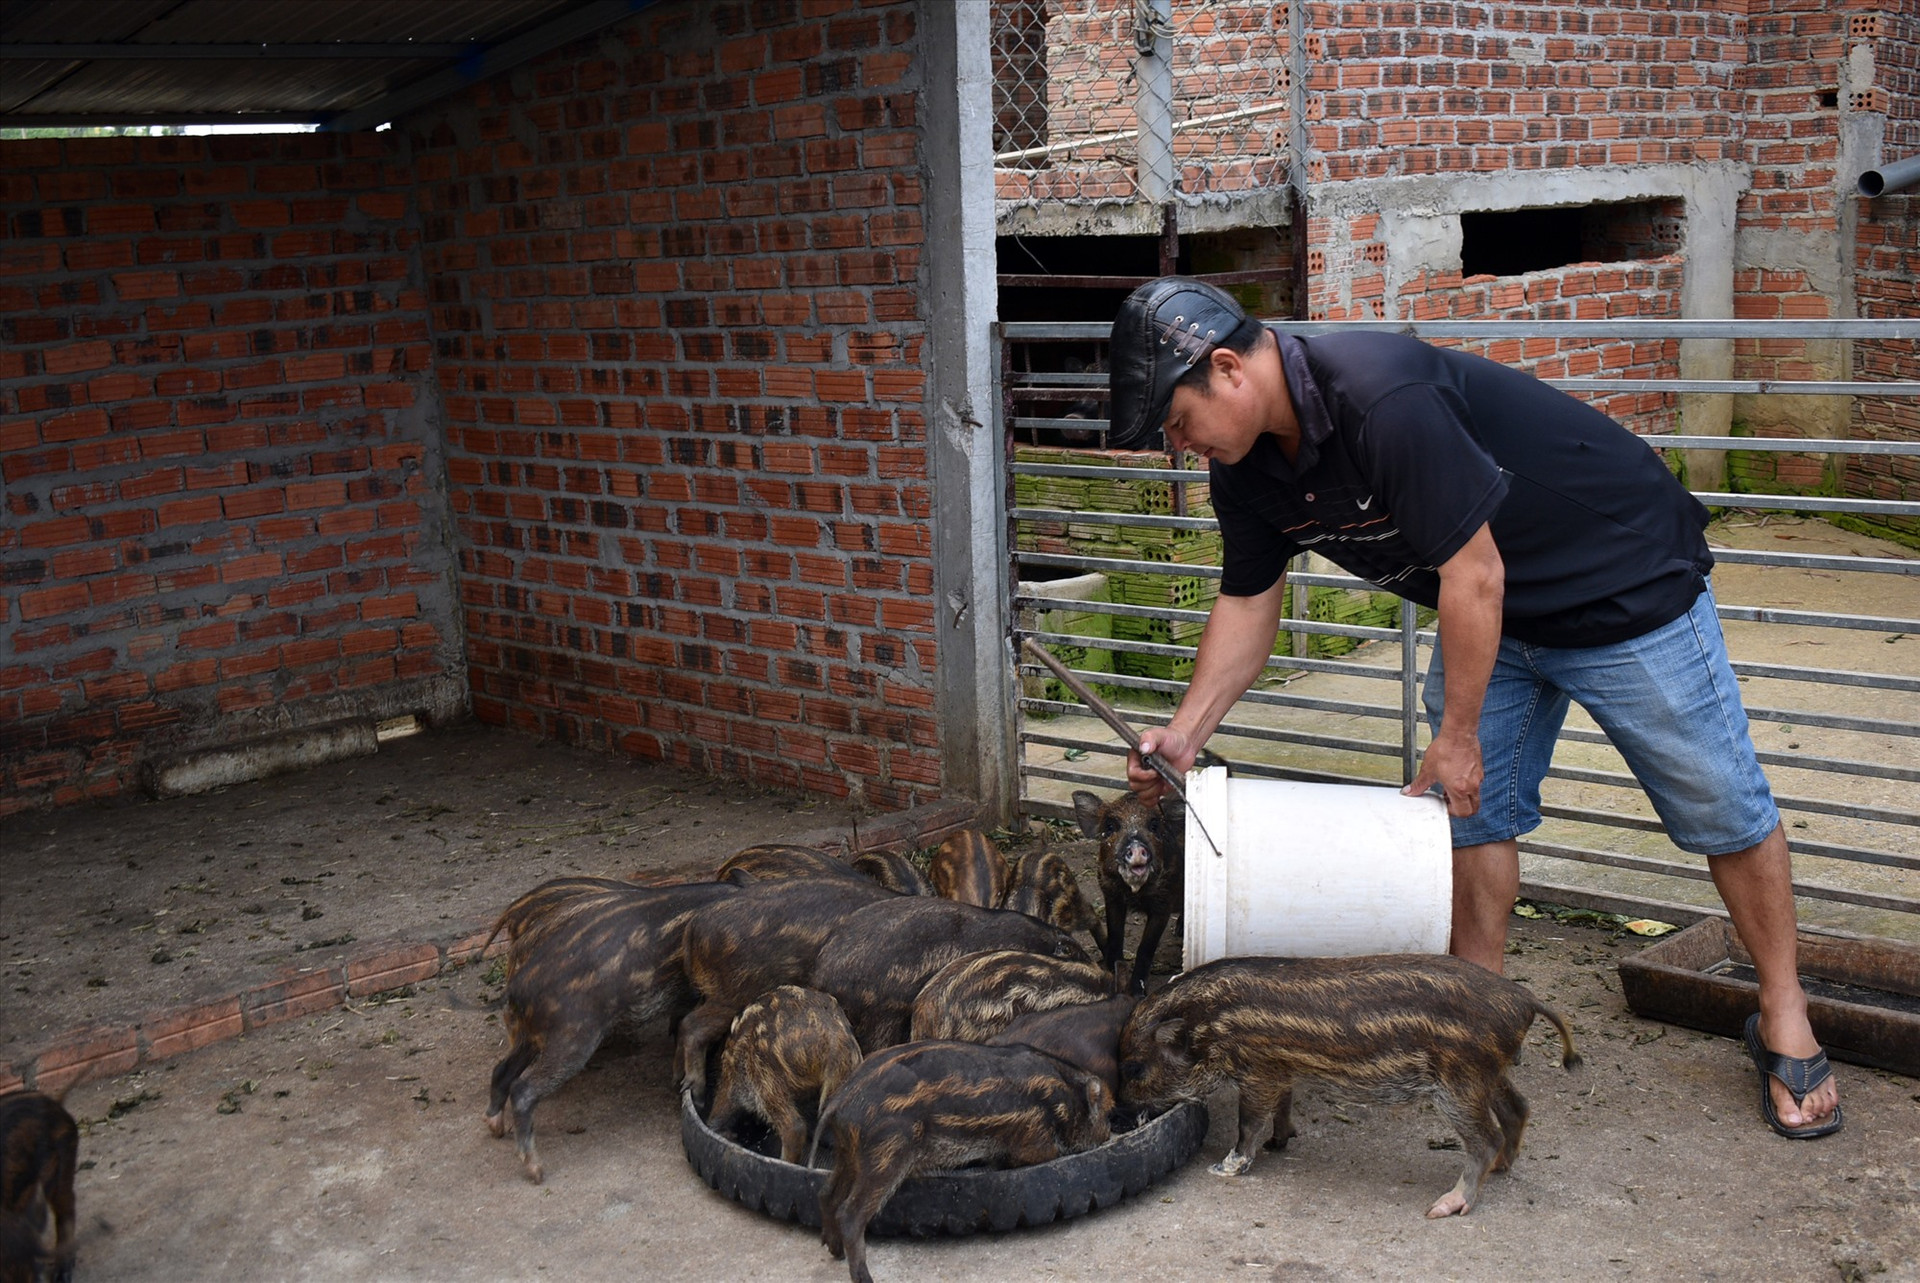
1122 494
1351 607
1166 592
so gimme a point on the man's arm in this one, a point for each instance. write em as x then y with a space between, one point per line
1472 588
1234 647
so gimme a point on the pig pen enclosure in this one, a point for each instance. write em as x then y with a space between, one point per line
634 392
347 1141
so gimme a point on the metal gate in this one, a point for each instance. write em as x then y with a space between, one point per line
1110 570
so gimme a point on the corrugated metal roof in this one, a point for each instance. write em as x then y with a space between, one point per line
328 62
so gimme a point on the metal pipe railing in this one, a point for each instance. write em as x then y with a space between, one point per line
1275 716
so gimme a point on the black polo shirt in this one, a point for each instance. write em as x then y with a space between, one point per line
1408 449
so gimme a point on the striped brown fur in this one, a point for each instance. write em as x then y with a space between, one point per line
974 997
932 1106
1389 1027
617 956
969 868
765 936
884 954
787 1053
776 861
547 903
1043 887
1084 1034
892 871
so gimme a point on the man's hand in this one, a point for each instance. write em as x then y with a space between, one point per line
1172 747
1452 762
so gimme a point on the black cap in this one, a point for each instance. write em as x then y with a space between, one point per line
1165 328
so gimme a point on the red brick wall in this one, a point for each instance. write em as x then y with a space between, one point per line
1430 88
1790 103
217 449
1887 265
675 291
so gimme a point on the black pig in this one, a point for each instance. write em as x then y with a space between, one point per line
1142 865
974 996
931 1106
39 1154
767 935
882 956
617 958
1389 1027
1084 1034
969 868
790 1050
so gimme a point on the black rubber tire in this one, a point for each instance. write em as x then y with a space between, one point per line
962 1202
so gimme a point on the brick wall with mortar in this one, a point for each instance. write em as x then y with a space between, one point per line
1818 75
1887 266
674 292
219 452
1403 96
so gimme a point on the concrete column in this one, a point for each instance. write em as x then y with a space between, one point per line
1154 102
973 684
1706 293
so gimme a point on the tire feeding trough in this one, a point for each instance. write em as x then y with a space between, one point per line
966 1201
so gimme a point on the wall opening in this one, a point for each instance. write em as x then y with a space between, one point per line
1510 242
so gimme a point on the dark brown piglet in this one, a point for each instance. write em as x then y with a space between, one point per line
39 1154
1387 1027
788 1052
974 997
1084 1034
776 862
892 871
883 955
547 903
767 935
24 1257
969 868
1043 887
617 958
933 1106
1142 866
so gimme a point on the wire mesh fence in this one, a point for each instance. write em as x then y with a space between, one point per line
1082 88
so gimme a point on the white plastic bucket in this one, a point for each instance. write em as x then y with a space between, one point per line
1313 870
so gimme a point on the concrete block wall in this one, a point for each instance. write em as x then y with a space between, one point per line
680 342
218 445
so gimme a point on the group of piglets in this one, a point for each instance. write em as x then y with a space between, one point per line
929 1021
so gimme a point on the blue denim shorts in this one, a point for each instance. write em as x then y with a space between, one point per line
1669 702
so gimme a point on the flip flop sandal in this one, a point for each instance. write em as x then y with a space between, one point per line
1799 1075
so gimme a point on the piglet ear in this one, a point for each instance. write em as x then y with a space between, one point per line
1086 809
1170 1033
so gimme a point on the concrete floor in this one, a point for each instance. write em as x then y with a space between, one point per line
347 1142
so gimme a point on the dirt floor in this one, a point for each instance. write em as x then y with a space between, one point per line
348 1143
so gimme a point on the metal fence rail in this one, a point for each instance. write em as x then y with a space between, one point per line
1319 724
